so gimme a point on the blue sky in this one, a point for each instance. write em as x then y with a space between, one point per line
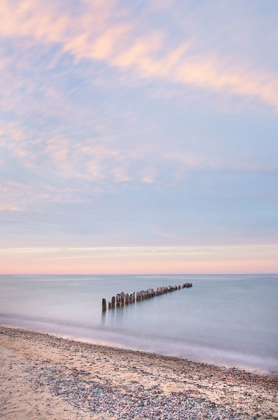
146 128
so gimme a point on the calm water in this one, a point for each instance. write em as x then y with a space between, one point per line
230 320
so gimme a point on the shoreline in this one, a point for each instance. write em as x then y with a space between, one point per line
243 366
85 380
106 345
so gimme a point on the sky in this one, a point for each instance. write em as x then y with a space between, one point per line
138 137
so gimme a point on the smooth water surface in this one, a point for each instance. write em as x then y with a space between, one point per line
223 319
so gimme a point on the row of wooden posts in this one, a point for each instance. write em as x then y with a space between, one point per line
122 299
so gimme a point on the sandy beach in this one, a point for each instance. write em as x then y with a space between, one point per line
46 377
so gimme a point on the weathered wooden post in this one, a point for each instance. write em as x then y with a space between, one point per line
113 302
122 299
118 300
186 285
104 306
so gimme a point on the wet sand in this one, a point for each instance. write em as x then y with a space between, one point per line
46 377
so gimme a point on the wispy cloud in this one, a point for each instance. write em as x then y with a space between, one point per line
9 207
103 33
92 160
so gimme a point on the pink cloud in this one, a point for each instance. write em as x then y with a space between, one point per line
94 33
10 207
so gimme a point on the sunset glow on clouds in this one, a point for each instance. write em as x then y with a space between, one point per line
129 126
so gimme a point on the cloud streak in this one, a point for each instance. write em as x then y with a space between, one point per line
98 32
99 160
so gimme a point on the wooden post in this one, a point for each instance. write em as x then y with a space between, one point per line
186 285
104 307
122 299
113 302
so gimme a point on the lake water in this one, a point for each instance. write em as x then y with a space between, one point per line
229 320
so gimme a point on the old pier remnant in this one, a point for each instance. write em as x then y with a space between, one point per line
123 299
186 285
118 300
104 306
